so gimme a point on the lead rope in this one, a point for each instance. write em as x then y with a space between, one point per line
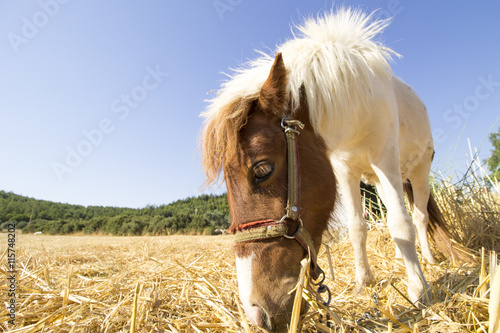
303 291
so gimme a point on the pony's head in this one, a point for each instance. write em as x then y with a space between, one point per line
245 139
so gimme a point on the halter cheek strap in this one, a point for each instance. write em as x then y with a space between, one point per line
291 132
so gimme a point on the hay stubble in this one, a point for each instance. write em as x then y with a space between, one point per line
188 284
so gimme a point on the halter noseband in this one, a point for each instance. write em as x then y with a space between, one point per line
266 229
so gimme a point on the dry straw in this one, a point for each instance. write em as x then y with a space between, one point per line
188 283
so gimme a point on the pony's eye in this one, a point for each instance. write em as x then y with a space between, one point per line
262 171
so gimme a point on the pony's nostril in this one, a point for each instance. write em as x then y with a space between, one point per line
260 318
256 315
267 321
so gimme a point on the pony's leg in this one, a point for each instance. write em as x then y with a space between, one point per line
399 222
421 191
348 186
380 190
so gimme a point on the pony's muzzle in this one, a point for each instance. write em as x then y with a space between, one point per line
259 317
271 322
254 314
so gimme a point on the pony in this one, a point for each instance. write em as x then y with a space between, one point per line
347 118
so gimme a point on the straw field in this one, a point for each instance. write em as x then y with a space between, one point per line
188 284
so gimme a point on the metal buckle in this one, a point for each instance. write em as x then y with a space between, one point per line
322 289
290 125
321 277
300 226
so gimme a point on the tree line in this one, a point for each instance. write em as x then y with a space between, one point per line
195 215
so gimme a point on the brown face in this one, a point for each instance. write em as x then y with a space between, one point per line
256 181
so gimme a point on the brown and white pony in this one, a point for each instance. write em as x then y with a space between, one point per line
361 123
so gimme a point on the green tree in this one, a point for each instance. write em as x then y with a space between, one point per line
493 161
201 214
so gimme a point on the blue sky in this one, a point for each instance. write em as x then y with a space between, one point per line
100 100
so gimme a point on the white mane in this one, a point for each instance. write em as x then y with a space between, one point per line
336 48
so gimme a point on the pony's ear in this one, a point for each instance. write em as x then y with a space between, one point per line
273 95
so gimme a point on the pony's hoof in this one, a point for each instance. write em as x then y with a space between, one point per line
419 298
359 290
431 260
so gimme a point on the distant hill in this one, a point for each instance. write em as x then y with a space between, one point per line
201 215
